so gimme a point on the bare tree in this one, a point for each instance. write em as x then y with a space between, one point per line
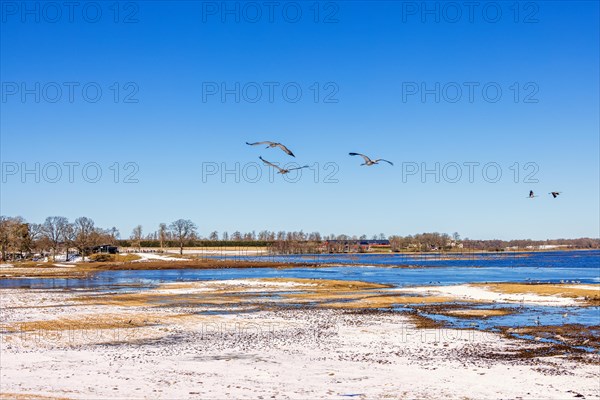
136 237
115 234
214 236
14 237
69 238
85 235
183 230
225 236
162 234
54 230
5 227
35 234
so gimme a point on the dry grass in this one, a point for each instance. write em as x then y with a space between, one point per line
126 257
42 271
324 293
592 296
567 339
29 396
477 313
329 284
389 301
218 293
47 270
95 321
572 334
30 264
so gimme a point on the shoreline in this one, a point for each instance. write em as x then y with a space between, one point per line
80 270
154 261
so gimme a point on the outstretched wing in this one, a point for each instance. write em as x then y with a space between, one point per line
270 163
367 159
257 143
285 149
381 159
305 166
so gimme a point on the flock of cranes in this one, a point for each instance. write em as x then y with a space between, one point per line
554 194
368 162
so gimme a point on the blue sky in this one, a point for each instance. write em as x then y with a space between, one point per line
362 58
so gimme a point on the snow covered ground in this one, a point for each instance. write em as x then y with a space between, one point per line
154 257
481 293
181 352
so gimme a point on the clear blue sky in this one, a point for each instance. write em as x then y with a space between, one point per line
366 56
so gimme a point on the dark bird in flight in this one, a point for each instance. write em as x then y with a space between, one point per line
554 194
282 171
273 144
531 195
370 162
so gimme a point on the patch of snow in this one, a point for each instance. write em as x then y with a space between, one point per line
475 293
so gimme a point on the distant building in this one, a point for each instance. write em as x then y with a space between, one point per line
105 248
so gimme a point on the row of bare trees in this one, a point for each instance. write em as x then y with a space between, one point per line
181 231
425 242
164 234
20 239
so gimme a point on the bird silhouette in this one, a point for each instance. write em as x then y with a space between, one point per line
282 171
554 194
368 161
272 145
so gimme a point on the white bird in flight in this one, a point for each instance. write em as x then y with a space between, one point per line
273 144
282 171
370 162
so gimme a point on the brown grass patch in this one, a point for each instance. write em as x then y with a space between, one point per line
126 257
570 334
591 296
47 270
96 321
477 313
389 301
102 321
308 290
328 284
29 396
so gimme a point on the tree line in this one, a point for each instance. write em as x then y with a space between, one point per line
20 239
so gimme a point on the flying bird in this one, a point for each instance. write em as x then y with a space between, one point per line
368 161
273 144
282 171
531 195
554 194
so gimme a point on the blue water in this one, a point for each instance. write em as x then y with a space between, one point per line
550 267
554 259
524 316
